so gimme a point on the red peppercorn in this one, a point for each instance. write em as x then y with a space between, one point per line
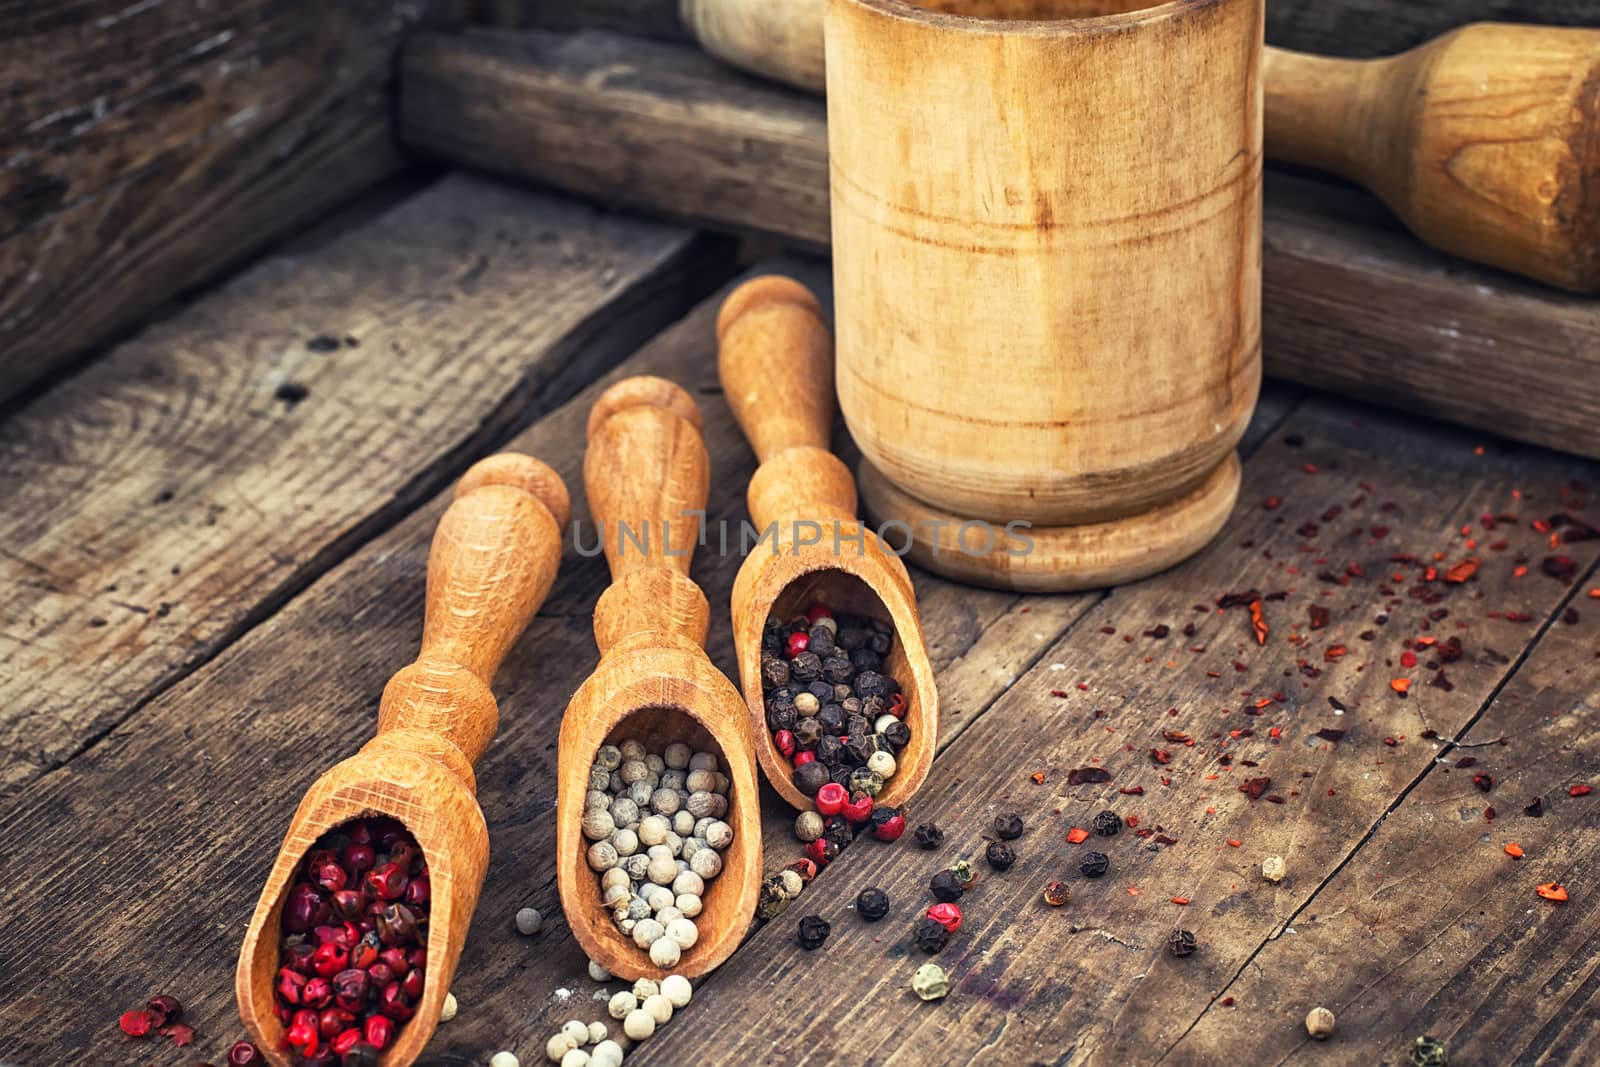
394 1003
136 1023
417 957
350 989
304 909
897 705
378 1031
387 882
380 974
330 876
358 859
318 993
346 1040
396 959
858 809
891 828
946 915
805 868
302 1034
784 740
411 985
821 851
818 611
283 1013
804 757
831 798
329 959
419 891
299 957
360 833
332 1022
349 903
164 1009
365 954
244 1054
289 985
798 643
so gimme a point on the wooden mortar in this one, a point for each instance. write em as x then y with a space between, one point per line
775 360
1485 141
1047 276
494 557
647 468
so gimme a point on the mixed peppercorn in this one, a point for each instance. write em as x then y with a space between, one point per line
831 709
353 956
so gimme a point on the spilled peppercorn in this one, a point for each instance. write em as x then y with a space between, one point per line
928 836
813 931
1182 943
1008 825
1107 824
1094 864
1000 855
930 935
872 904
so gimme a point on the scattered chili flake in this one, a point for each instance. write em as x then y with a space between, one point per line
1330 734
1463 571
1562 568
1514 850
1272 502
1408 659
182 1034
1160 756
1257 623
1255 787
1132 790
1227 1002
1088 775
1580 791
1400 685
1488 814
1077 835
1320 616
1159 631
1059 693
1038 777
1333 652
1180 900
1177 737
1553 891
1484 782
1309 468
1234 842
1391 742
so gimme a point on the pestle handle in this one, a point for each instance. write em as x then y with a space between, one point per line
493 560
775 361
647 476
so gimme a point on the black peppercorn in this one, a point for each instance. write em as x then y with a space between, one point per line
898 734
1094 864
821 641
1008 824
814 930
945 888
360 1055
823 692
830 751
872 904
837 669
857 725
872 707
839 832
864 659
807 732
930 935
774 671
780 717
850 637
1107 823
850 704
871 684
842 774
806 667
881 816
1182 943
810 777
928 836
857 749
1000 855
832 719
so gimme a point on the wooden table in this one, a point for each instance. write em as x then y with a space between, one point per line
214 541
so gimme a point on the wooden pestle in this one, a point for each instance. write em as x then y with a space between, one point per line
494 557
775 359
647 475
1485 141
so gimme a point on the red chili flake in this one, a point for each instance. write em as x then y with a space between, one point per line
1227 1002
1088 776
1275 732
1273 798
1177 737
1161 756
1258 623
1580 791
1131 821
1309 468
1380 532
1334 652
1400 685
1484 782
1329 734
1535 808
1308 529
1488 814
1514 850
1059 693
1408 659
1391 742
1163 839
1519 571
1038 777
1255 787
1272 502
1553 891
1320 616
1518 616
1450 651
182 1034
1463 571
1077 835
1159 631
1180 900
1132 790
1234 842
1466 761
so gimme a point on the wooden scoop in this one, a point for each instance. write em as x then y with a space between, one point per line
1485 141
646 473
775 358
493 560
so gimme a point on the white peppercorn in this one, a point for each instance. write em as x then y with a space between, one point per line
676 988
683 823
700 824
659 852
638 908
881 764
674 844
664 952
656 764
806 704
597 1033
602 856
625 841
703 761
719 805
700 782
688 904
664 869
448 1010
577 1032
673 780
639 792
660 1009
639 1024
719 835
668 915
653 830
621 1004
616 894
609 757
625 924
558 1046
698 806
688 882
677 755
1320 1023
657 897
635 865
624 812
617 784
598 825
691 845
615 876
722 784
682 865
596 798
504 1059
808 826
599 777
791 883
682 931
645 988
606 1054
632 749
646 932
1273 868
529 921
598 973
706 863
576 1058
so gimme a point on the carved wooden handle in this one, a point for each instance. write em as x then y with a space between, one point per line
494 558
647 476
775 360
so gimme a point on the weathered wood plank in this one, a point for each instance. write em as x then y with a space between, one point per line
643 18
1383 27
1351 303
181 488
1431 928
146 146
1092 982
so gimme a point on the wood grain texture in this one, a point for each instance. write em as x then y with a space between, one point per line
1350 302
223 756
775 363
1092 982
148 146
1452 939
656 19
177 491
1369 28
493 560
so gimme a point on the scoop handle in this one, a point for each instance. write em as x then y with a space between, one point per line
647 476
775 361
494 557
